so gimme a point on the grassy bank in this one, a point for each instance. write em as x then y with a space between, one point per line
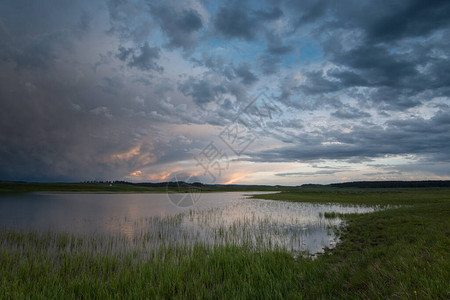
370 197
401 252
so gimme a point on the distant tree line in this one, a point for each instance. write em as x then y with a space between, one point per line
145 184
354 184
393 184
97 182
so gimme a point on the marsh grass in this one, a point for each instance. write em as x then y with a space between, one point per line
331 215
207 227
400 252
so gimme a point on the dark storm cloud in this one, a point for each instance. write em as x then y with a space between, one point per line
124 53
431 166
350 113
129 20
398 137
229 71
243 72
45 138
275 45
392 99
145 59
376 67
33 36
202 91
37 54
309 11
381 21
64 129
370 67
316 83
180 27
62 117
84 23
387 47
25 18
239 21
89 88
409 19
235 22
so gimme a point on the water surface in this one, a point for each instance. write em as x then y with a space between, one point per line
152 219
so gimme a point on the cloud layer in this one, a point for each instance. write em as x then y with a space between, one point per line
136 89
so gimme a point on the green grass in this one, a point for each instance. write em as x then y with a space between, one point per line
331 215
379 197
399 253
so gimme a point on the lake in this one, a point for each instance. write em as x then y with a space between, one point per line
153 220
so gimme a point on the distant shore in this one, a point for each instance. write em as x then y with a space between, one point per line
183 187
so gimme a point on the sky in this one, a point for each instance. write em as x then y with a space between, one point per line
244 92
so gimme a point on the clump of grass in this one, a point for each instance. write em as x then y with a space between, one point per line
331 215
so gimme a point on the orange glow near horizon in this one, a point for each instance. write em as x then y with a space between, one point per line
236 177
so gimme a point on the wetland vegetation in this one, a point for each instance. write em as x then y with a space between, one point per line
401 251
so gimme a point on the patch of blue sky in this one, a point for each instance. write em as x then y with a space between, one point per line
233 51
310 51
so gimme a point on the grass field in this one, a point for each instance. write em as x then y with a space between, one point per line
400 252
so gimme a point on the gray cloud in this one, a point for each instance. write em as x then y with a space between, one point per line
298 174
390 22
243 71
32 37
399 137
392 53
202 91
316 83
240 21
350 113
146 58
410 19
275 45
234 22
180 26
93 89
309 11
268 64
129 20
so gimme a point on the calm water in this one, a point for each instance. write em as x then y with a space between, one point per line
217 218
